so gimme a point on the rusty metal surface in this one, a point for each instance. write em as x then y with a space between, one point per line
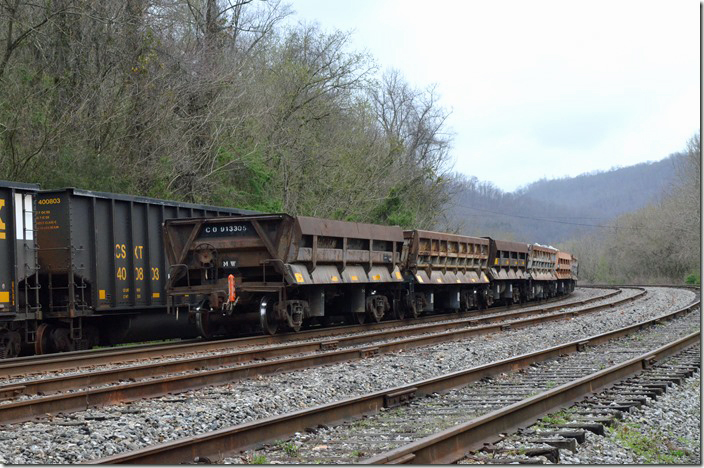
502 264
542 262
226 441
510 246
434 235
295 250
334 228
21 411
564 266
437 257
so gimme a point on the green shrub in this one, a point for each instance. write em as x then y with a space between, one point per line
694 278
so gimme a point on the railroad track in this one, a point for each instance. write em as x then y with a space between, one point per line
159 378
216 444
30 365
564 430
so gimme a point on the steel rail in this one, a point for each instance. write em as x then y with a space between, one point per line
77 401
77 359
452 444
675 286
92 378
252 434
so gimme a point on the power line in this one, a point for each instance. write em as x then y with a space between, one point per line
548 220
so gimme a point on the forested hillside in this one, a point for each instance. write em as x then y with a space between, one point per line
639 224
551 211
214 101
659 243
608 193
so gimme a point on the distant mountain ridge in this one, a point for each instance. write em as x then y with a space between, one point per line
556 210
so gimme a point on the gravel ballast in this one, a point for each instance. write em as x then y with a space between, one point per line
666 431
105 431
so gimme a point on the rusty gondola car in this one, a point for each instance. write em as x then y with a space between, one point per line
564 273
542 262
282 269
19 289
508 263
447 271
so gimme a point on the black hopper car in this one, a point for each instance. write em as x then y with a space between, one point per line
80 268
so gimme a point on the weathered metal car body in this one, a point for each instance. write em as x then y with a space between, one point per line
284 269
507 269
564 273
448 270
542 281
19 290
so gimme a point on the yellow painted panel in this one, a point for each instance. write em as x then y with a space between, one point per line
376 277
353 278
398 275
101 294
5 296
2 235
420 280
496 261
335 279
156 295
299 277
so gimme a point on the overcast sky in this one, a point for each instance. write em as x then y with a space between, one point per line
539 88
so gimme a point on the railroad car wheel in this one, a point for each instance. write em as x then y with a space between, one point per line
10 344
61 338
377 306
417 306
42 341
267 316
202 324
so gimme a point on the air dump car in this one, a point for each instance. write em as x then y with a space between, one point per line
273 272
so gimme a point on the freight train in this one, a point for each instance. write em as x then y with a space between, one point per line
80 268
283 272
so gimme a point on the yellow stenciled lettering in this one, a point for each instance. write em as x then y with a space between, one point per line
120 251
2 223
138 251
